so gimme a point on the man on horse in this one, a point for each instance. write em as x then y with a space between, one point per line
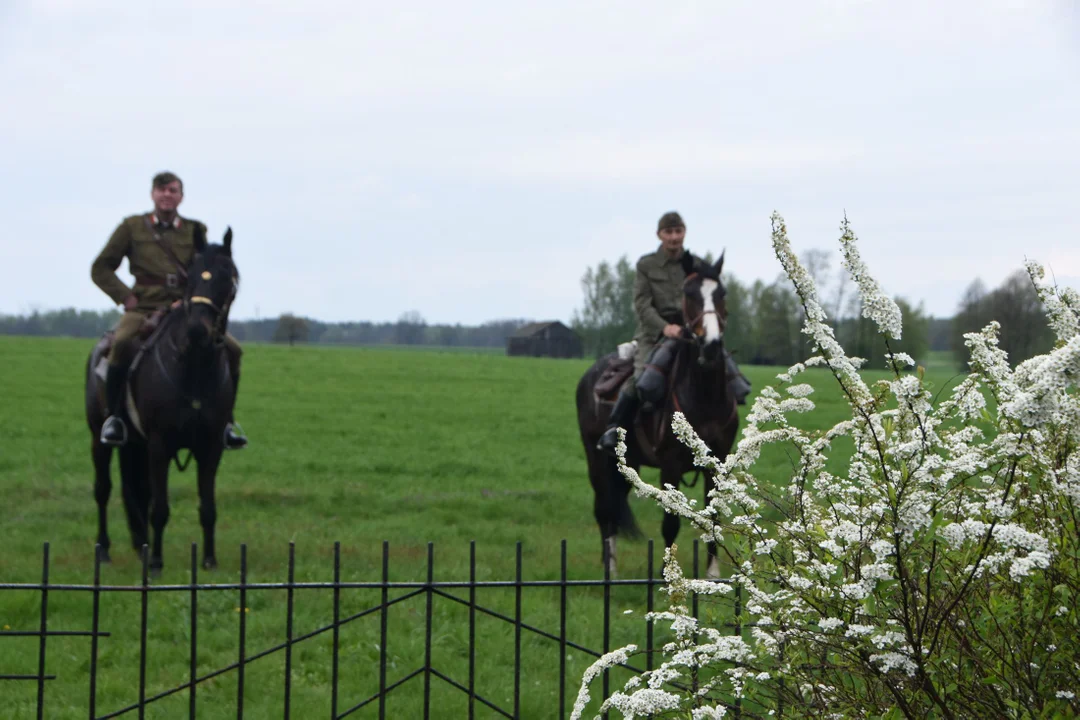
658 291
159 246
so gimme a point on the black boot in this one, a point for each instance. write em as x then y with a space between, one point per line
622 416
234 440
740 385
114 431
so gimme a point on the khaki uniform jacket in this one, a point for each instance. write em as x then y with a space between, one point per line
658 294
139 238
658 297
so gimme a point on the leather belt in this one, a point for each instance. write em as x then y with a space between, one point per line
171 280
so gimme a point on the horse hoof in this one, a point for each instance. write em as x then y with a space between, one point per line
103 557
155 571
209 563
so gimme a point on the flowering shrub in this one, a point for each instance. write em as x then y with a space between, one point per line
935 576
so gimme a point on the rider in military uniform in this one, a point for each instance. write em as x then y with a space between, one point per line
658 294
143 240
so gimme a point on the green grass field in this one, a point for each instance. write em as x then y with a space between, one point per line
350 445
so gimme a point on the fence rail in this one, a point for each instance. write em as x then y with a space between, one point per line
429 589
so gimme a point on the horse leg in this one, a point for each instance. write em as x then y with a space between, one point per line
712 570
132 484
603 506
102 455
158 466
208 464
670 526
723 448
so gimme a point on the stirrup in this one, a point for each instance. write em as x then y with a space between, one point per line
239 440
114 420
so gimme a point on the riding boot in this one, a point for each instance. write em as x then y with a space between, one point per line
740 385
234 440
622 416
114 431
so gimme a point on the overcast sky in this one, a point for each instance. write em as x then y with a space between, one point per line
469 160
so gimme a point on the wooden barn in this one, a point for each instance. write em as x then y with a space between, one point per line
545 339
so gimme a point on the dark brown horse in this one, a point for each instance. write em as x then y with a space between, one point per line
180 396
697 387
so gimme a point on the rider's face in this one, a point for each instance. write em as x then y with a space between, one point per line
167 198
672 240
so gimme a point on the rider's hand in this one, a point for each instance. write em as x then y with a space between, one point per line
672 331
177 304
130 302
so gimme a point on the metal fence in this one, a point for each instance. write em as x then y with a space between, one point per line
392 593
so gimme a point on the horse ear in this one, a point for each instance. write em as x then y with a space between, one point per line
720 263
200 238
227 242
687 261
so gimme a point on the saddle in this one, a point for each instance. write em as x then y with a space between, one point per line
611 380
617 372
101 351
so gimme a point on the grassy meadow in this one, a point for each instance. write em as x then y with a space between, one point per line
346 444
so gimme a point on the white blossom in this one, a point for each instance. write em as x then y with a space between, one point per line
875 304
917 490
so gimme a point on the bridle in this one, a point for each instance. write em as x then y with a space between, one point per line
221 314
696 327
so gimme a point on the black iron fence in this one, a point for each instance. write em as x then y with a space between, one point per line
462 593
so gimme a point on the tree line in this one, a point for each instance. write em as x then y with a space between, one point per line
409 329
766 318
764 326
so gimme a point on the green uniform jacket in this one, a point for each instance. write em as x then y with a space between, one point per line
658 295
138 238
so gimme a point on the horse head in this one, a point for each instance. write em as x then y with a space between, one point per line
213 281
704 307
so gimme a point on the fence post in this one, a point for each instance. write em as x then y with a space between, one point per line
382 627
337 631
95 625
427 628
142 629
562 631
607 620
194 627
289 628
472 629
648 611
243 633
517 632
44 629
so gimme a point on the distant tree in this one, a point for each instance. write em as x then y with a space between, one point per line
291 329
410 329
777 323
67 322
818 263
1016 306
448 335
940 333
606 317
860 336
738 336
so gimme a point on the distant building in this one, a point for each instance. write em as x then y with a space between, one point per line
545 339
